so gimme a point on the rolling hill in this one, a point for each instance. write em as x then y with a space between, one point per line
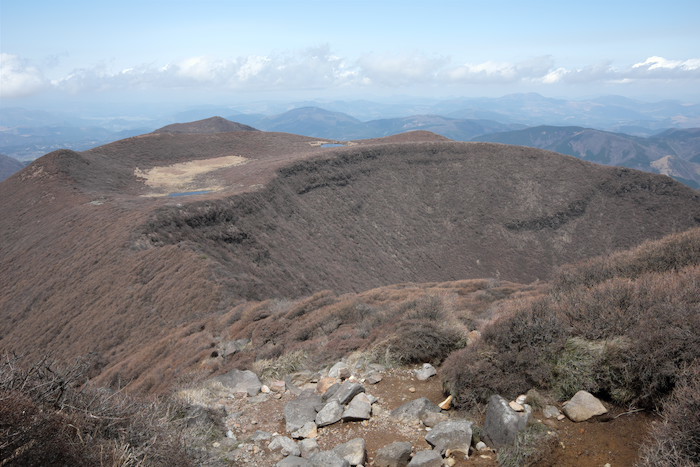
112 248
670 153
8 166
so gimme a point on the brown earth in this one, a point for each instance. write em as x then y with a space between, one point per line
91 266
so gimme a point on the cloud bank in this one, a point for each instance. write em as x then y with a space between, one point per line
320 69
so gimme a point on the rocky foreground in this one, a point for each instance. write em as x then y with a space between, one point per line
334 418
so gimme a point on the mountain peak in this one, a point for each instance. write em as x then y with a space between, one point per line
208 125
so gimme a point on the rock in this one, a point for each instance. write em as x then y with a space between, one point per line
426 459
308 447
301 410
328 459
241 381
396 454
338 369
550 411
430 419
452 435
325 383
521 399
261 436
285 445
309 430
278 386
447 403
330 392
265 389
583 406
346 392
353 451
481 446
329 414
411 389
415 410
503 423
561 417
373 378
358 409
293 461
425 372
516 406
230 435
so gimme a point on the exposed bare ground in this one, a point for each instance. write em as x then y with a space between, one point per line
186 176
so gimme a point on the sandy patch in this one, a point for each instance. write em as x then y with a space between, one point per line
186 176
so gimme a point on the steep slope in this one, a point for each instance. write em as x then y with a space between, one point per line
207 125
101 261
8 166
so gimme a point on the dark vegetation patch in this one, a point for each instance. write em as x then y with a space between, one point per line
50 415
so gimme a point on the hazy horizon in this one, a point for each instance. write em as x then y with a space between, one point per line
179 53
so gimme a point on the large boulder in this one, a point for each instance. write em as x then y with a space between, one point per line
301 410
241 381
329 414
328 459
293 461
583 406
346 391
426 371
415 410
286 446
353 451
502 423
426 459
455 435
359 408
396 454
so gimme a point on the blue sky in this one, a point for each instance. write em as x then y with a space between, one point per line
213 50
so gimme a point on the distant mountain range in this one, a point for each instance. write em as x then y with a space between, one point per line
674 152
612 130
8 166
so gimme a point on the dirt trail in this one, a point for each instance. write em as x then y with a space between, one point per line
587 444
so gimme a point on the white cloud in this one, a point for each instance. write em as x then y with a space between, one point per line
317 68
18 78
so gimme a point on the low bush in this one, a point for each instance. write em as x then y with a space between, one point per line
50 415
420 341
676 441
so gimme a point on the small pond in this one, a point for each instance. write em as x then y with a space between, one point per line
187 193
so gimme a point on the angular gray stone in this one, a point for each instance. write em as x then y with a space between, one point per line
373 378
425 372
241 381
308 447
293 461
430 419
415 410
346 392
451 434
502 423
330 392
287 446
327 459
309 430
396 454
550 411
339 370
301 410
583 406
358 409
260 435
426 459
329 414
353 451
